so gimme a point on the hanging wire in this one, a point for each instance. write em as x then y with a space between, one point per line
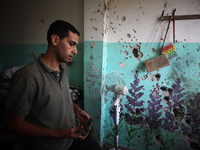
152 40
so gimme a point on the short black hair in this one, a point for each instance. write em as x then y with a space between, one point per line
61 28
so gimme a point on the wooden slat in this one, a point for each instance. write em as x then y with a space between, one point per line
181 17
156 63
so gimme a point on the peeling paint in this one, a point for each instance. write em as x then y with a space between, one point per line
122 64
166 91
95 28
166 100
125 52
93 19
123 18
178 112
152 49
98 11
156 92
155 77
93 45
143 77
136 51
129 35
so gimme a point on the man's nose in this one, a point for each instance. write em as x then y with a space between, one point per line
75 51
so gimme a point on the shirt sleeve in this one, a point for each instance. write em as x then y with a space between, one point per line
20 96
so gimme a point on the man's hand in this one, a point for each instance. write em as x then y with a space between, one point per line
17 124
81 114
73 133
83 117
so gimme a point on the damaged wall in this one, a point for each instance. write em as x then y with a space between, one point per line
95 53
159 110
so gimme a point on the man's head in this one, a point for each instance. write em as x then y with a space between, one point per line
60 28
62 41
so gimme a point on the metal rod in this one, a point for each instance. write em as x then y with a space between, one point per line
168 26
173 30
116 138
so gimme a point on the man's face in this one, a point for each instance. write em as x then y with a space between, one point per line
67 47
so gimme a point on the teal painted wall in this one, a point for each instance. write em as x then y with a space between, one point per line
119 20
94 68
18 55
76 68
160 114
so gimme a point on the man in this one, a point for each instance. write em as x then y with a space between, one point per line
39 104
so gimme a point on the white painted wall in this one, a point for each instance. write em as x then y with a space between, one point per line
140 20
27 22
94 11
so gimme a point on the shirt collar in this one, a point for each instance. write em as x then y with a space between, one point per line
46 68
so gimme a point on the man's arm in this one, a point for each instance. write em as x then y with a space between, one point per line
18 125
81 114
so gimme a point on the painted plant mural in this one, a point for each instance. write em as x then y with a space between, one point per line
167 120
134 109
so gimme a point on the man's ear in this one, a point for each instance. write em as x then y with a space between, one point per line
54 39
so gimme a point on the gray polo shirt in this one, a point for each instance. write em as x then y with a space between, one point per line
43 95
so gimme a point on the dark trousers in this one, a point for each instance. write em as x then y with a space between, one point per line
87 144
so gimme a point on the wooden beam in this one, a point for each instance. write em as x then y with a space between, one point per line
181 17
